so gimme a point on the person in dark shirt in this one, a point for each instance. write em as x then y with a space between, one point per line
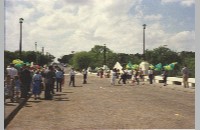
26 78
165 74
84 76
137 73
49 77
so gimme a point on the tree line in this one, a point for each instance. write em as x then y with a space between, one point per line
95 58
28 56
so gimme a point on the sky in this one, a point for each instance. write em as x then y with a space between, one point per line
63 26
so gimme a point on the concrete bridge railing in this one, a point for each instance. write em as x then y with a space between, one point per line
172 80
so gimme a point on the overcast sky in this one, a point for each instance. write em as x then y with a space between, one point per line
62 26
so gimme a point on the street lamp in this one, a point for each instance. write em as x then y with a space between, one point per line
35 46
104 56
144 27
20 40
36 52
43 50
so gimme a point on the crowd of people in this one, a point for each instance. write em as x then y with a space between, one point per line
20 83
137 76
134 76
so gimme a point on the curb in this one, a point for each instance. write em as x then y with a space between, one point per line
15 111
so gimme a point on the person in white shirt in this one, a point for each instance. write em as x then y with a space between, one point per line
84 76
12 71
185 73
72 77
114 76
151 76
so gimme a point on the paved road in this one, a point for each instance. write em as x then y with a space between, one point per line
98 105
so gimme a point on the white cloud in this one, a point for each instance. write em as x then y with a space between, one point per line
74 25
188 2
183 40
182 2
153 17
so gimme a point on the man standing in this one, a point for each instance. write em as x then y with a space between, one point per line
72 77
49 78
151 75
12 71
185 73
165 74
59 78
26 79
84 76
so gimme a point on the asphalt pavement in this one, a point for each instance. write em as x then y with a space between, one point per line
85 106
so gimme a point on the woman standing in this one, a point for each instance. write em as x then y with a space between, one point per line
37 80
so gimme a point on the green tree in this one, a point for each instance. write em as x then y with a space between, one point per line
97 53
30 56
111 59
161 55
81 60
8 58
66 58
188 58
27 56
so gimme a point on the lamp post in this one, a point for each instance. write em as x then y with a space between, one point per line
104 56
36 52
43 50
20 40
35 46
144 27
47 54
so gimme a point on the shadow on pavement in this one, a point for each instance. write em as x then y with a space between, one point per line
78 86
68 92
35 101
61 99
59 94
10 104
27 105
